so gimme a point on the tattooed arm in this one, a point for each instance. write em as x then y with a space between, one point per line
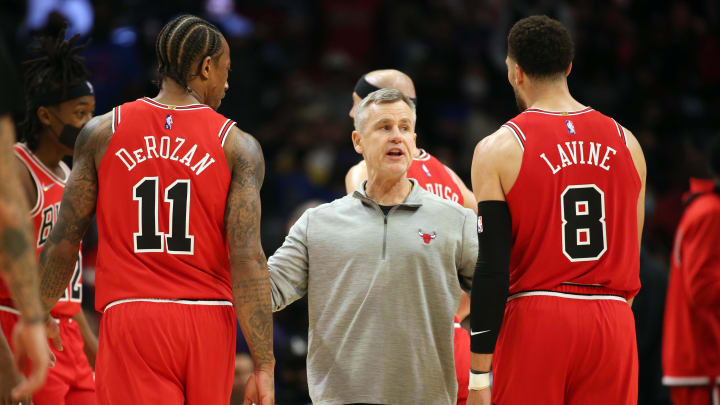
60 252
248 267
17 256
19 269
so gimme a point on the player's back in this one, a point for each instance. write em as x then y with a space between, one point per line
573 205
435 177
162 187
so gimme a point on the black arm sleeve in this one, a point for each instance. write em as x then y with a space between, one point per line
492 275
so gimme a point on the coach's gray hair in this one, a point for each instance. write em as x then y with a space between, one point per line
382 96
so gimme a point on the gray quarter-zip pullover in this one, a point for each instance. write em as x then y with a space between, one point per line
382 291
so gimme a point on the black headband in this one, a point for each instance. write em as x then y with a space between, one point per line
363 88
58 96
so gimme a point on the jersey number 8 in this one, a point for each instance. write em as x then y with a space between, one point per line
583 229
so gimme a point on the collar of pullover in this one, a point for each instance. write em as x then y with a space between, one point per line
413 200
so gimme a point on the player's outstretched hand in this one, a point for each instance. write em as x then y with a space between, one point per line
30 343
481 397
260 389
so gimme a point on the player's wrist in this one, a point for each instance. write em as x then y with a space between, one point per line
479 380
35 318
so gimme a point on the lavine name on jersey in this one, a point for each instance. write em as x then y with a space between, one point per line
169 149
576 152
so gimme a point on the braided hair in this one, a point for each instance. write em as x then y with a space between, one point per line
182 43
55 66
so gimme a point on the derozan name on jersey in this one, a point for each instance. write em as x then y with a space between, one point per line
571 151
167 149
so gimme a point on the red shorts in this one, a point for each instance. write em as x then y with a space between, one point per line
71 381
461 341
566 351
695 395
166 353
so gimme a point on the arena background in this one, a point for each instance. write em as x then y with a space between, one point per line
653 65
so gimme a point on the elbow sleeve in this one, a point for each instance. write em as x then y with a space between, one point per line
491 279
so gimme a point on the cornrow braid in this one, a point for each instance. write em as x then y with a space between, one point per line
55 66
182 43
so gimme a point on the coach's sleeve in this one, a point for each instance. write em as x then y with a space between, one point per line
469 251
289 266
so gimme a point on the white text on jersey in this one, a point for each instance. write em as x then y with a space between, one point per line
152 150
573 153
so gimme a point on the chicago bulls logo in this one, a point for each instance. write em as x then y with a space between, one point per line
426 237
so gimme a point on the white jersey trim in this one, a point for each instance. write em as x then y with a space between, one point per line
457 325
188 107
166 301
539 111
10 310
621 132
566 295
514 125
690 381
44 168
516 135
40 195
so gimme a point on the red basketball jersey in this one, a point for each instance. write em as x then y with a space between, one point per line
574 204
435 177
163 182
44 214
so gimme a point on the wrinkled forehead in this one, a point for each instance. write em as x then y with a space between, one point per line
395 111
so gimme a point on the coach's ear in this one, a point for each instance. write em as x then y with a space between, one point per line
356 142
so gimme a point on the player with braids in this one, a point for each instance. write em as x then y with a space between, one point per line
180 43
176 187
60 101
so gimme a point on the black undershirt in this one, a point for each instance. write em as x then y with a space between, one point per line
386 208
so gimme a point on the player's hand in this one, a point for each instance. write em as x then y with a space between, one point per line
10 378
260 389
30 343
481 397
53 333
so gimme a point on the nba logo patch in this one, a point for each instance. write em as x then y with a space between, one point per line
425 169
570 127
168 122
480 225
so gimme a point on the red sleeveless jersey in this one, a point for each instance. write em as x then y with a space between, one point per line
163 182
435 177
44 214
574 204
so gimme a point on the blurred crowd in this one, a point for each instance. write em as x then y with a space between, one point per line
652 65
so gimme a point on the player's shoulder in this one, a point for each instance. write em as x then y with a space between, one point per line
499 145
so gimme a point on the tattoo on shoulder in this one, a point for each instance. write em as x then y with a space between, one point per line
248 160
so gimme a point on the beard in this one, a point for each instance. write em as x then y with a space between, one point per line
521 104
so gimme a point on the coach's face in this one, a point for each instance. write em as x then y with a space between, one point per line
386 138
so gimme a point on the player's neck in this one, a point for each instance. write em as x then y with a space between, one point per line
171 93
553 96
387 191
49 154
